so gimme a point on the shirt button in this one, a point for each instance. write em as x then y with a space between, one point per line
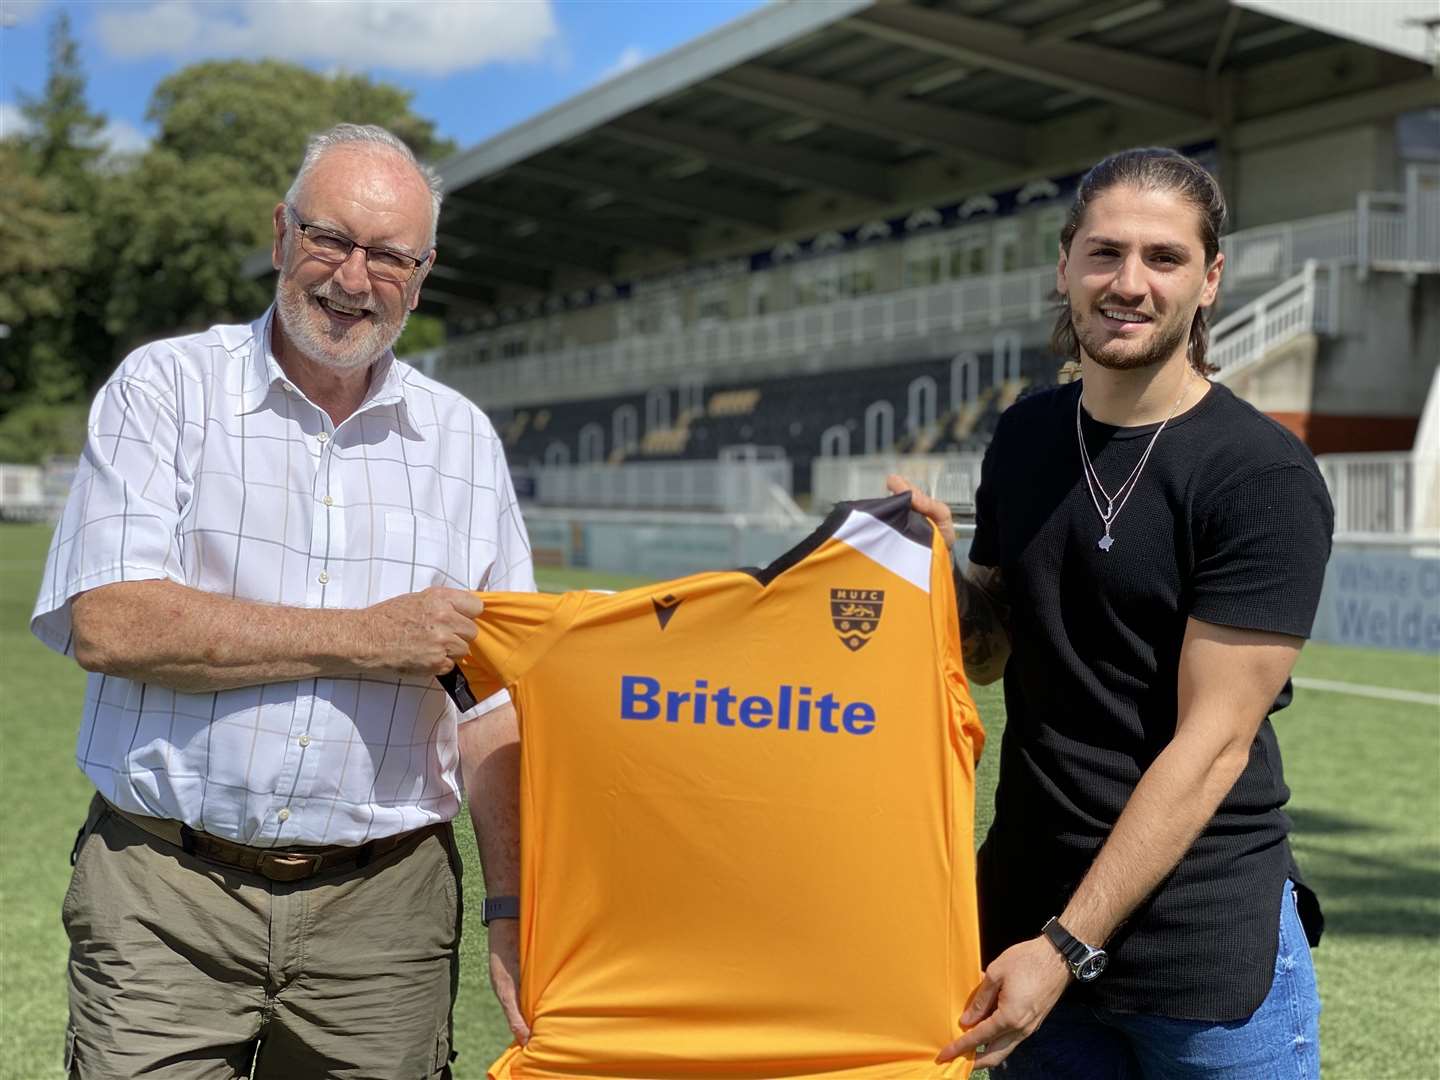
324 578
284 813
304 740
324 436
328 501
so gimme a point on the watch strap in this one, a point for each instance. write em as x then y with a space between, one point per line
1067 944
1085 961
499 907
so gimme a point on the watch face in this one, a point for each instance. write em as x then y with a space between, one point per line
1091 967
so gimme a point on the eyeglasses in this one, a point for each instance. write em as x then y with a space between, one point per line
382 263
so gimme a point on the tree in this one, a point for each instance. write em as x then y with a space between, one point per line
62 134
44 248
94 260
262 112
54 343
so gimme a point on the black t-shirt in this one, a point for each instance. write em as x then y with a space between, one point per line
1229 523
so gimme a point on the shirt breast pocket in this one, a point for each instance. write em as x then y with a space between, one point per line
417 554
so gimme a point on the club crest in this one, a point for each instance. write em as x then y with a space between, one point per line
855 614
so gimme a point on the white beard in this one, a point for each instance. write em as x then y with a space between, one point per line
310 331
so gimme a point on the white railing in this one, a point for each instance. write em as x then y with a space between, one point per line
642 359
1374 493
1280 251
952 478
734 487
1304 304
1387 230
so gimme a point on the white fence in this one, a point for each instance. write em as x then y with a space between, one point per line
751 487
1376 494
952 478
34 492
644 359
1387 230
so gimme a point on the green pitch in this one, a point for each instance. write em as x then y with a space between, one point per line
1365 775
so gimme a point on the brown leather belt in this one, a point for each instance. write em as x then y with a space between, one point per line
276 864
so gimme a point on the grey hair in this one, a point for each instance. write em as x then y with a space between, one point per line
372 137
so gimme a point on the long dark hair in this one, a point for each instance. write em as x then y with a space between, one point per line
1149 169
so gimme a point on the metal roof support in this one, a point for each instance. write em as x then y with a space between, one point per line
457 279
1221 50
921 81
447 305
1110 74
687 200
784 164
469 251
1422 93
1074 23
948 131
488 205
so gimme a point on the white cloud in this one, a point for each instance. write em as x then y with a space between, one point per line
117 137
435 38
12 121
632 56
19 12
123 137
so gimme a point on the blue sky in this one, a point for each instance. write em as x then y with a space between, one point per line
476 67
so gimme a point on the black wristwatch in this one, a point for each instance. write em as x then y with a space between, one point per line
499 907
1086 962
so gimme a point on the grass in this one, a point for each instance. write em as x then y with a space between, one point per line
1365 776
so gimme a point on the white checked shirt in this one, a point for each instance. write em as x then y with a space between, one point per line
205 466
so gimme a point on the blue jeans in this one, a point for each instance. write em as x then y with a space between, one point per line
1280 1040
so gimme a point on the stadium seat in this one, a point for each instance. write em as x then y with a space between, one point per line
787 411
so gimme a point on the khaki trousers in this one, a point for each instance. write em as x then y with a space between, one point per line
185 969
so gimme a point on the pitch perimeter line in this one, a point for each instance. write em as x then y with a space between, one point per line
1385 693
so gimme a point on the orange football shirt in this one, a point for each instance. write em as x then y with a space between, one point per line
746 814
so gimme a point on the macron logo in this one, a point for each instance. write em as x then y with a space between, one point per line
793 708
665 607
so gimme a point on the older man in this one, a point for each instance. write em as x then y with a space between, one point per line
264 563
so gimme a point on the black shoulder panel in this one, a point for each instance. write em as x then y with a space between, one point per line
893 510
896 512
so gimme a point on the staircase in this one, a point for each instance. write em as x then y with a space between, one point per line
1303 304
1387 232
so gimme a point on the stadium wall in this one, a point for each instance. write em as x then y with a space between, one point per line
657 545
1383 595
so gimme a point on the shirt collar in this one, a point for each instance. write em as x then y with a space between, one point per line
263 373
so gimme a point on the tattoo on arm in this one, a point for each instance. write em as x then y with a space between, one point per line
984 611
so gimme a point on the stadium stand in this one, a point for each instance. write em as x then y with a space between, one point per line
774 235
922 406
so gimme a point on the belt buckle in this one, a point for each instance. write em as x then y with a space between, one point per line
287 866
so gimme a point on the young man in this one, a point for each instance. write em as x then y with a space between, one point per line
1147 561
264 562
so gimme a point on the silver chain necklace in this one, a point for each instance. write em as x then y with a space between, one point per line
1115 503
